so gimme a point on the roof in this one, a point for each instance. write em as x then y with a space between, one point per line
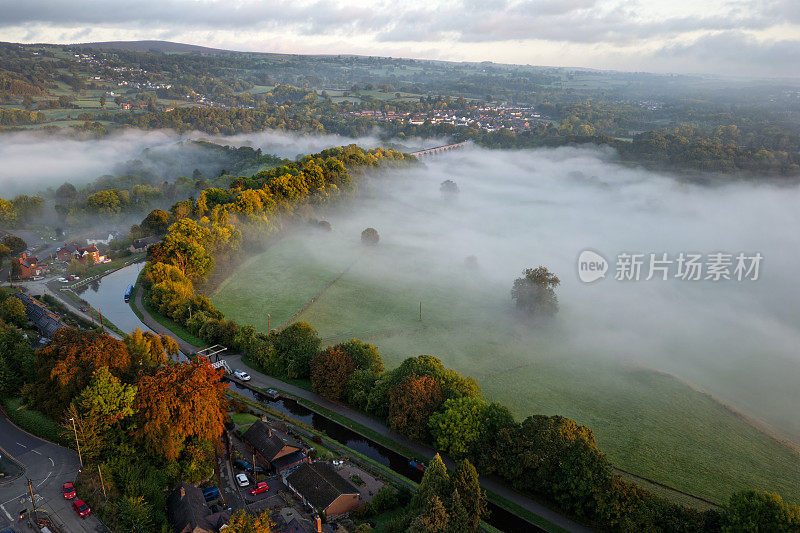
319 484
46 322
288 460
186 505
146 241
260 436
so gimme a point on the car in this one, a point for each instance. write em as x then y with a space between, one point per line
68 490
241 464
241 374
63 280
81 508
258 489
211 493
84 308
242 480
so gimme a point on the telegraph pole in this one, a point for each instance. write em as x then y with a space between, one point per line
101 481
78 444
420 310
33 502
268 330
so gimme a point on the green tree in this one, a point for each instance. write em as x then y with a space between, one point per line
459 521
134 514
472 498
759 512
155 223
432 517
535 292
17 362
365 356
106 399
370 236
435 482
12 310
15 244
297 345
5 252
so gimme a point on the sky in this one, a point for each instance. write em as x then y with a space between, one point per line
749 38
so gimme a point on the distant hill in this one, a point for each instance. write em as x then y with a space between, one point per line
155 46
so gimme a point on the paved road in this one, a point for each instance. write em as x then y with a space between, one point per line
263 381
48 467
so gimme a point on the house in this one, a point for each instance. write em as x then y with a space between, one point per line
141 245
320 487
46 322
28 266
188 511
279 452
85 254
100 238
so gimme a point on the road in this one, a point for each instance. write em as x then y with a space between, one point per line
48 467
263 381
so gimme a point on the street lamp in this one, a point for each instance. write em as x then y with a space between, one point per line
75 429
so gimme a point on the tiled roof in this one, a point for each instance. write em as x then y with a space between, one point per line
319 484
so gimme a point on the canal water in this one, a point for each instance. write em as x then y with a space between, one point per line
107 294
498 517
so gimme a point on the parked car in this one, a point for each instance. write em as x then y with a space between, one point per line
81 508
62 280
258 489
84 308
242 480
68 490
241 464
211 493
241 374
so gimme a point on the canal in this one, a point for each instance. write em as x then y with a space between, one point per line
107 295
498 517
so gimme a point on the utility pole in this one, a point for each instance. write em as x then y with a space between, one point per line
101 321
78 444
420 310
101 481
268 330
33 502
255 476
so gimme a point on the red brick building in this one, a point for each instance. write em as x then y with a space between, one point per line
86 254
28 266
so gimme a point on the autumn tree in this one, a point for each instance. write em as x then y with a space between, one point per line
411 404
534 293
179 402
149 350
330 372
68 362
243 522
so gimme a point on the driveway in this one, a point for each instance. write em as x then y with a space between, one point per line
48 467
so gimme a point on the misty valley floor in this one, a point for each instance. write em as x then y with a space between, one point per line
647 422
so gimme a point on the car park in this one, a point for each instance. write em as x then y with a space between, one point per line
260 488
68 490
241 374
242 480
81 508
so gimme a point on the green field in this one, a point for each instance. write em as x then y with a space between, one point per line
649 423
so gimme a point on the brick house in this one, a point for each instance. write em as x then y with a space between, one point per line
276 451
86 254
320 487
29 266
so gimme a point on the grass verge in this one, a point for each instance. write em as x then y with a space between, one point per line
34 422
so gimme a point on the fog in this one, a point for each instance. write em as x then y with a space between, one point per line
736 340
32 161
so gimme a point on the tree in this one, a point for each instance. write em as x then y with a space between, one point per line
106 399
12 310
243 522
757 512
148 350
17 362
535 292
8 213
89 433
432 518
463 425
155 223
466 485
370 236
68 362
365 356
66 192
448 188
330 372
134 514
297 344
15 244
102 100
460 520
412 402
435 482
5 251
180 401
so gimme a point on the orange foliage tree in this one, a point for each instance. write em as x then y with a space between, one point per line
411 403
67 363
179 402
330 371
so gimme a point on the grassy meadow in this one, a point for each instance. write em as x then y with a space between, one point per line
649 423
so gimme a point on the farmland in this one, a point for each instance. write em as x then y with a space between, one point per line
649 423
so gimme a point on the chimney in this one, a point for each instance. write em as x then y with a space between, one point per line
183 492
319 524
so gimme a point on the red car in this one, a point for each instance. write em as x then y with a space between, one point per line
258 489
68 489
81 508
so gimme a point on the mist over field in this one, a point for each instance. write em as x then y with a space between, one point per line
734 339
